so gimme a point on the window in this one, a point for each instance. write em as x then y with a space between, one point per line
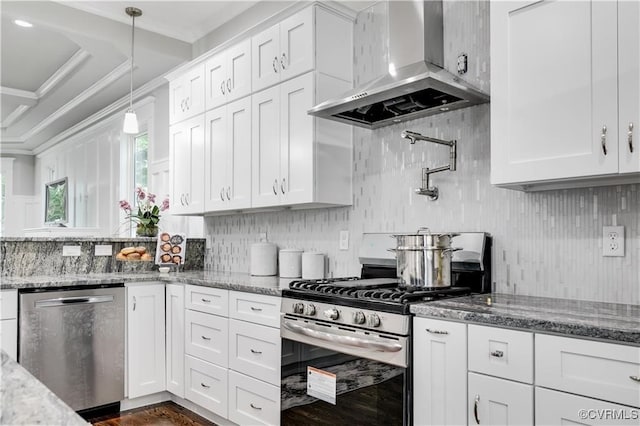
141 160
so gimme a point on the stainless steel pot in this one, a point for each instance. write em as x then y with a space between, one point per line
424 259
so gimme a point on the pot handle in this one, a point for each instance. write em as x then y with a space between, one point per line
449 249
393 250
424 230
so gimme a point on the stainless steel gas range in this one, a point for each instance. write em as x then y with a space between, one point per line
346 342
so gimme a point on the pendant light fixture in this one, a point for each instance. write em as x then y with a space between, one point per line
130 120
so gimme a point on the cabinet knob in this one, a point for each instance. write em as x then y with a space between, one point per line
497 354
275 64
630 137
475 408
603 140
283 60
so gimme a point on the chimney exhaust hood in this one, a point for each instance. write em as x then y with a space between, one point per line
416 84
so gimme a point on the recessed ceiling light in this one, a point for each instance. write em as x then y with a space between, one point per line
22 23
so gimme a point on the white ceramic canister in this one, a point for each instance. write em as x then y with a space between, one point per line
264 259
290 263
312 265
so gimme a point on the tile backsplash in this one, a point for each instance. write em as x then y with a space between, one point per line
545 243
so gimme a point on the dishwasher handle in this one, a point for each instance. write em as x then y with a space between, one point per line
77 300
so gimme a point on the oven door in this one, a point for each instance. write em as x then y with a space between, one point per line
341 375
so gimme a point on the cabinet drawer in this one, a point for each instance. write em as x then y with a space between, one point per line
559 408
255 350
501 353
206 337
208 300
206 385
494 401
258 308
252 402
8 304
596 369
9 337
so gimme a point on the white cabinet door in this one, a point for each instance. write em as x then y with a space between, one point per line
179 163
239 70
176 100
554 90
175 338
194 91
9 337
145 339
253 402
495 401
296 44
194 170
265 58
216 159
255 350
207 385
296 141
238 154
559 408
207 337
629 85
216 80
265 148
440 362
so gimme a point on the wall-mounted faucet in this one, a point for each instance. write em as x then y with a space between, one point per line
432 192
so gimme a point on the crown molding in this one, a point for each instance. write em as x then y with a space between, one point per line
28 97
11 118
66 69
12 151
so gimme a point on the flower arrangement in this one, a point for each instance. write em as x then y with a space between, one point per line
148 214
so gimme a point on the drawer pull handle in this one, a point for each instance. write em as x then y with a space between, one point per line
475 409
603 140
635 378
206 300
436 331
630 137
204 386
497 354
205 338
255 352
256 309
254 407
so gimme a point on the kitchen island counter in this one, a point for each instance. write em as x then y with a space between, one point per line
596 320
225 280
26 401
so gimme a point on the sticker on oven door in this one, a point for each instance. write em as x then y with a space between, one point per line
321 384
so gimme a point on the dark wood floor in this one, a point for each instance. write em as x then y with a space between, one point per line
163 414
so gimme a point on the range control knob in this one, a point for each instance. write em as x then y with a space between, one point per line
358 317
332 314
374 320
298 308
310 309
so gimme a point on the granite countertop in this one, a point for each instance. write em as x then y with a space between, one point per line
597 320
26 401
226 280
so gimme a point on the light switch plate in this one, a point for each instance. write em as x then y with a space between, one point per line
103 250
344 240
68 251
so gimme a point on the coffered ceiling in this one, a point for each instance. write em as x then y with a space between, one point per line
72 65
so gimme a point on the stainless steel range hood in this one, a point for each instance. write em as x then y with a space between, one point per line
416 84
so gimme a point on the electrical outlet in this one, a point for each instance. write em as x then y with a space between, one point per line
344 240
613 241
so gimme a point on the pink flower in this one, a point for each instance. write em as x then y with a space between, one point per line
141 195
165 205
124 205
151 197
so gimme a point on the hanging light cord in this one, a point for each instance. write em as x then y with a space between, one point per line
133 26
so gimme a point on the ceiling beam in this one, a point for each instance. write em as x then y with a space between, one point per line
24 96
15 114
66 69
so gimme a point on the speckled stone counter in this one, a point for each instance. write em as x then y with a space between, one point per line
226 280
24 400
596 320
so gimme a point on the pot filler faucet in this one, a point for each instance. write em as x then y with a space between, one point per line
432 191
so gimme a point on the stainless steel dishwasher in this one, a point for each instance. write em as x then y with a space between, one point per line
72 340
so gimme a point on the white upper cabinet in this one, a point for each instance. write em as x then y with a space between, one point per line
228 75
554 100
186 95
629 85
228 156
265 59
186 145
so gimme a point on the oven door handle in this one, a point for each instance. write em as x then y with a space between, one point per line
344 340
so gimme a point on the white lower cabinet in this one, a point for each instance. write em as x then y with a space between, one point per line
494 401
255 350
440 362
9 322
253 402
146 339
206 337
559 408
206 384
175 338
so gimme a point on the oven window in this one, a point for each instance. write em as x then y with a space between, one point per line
367 392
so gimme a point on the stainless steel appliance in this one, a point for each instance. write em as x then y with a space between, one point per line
346 342
72 340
